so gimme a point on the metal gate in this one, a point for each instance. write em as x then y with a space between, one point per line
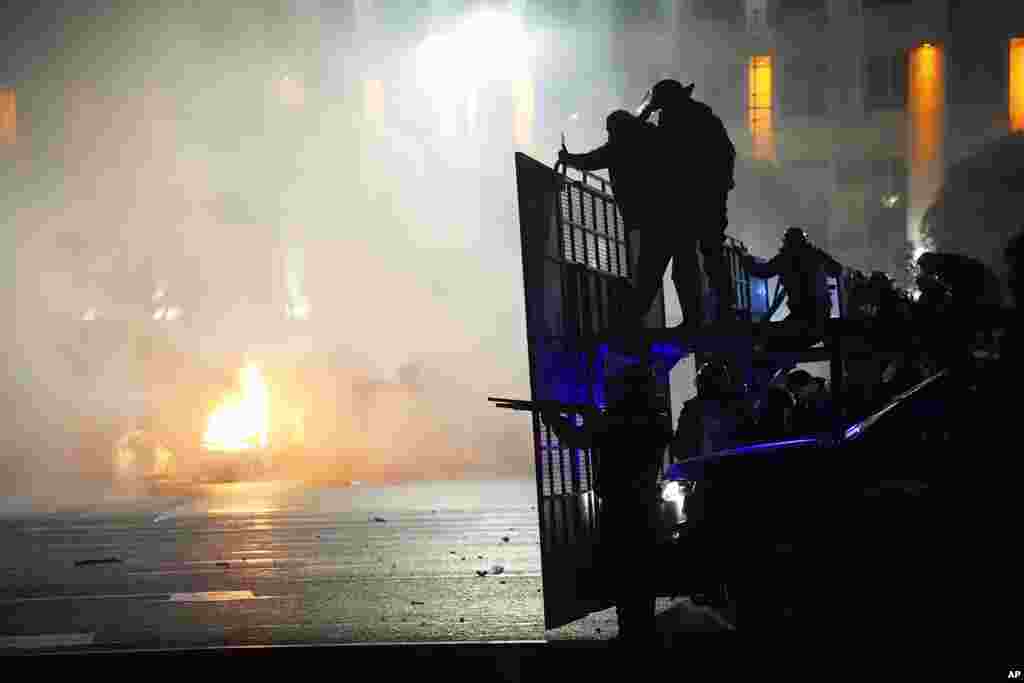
576 265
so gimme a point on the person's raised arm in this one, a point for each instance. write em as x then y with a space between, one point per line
589 161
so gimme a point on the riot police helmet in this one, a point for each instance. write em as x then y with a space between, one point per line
714 380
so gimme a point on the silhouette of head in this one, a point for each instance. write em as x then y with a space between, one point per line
794 237
799 381
618 121
669 93
632 388
714 380
927 262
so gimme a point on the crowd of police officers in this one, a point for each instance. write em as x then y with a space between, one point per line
690 148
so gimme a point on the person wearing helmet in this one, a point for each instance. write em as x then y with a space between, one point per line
628 442
695 160
715 419
803 269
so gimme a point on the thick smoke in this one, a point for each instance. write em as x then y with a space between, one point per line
234 162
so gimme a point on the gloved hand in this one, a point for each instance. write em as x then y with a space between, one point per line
563 155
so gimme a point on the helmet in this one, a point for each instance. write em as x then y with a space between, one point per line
714 379
666 92
634 385
798 379
794 236
617 119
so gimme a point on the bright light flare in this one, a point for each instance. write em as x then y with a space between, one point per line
242 421
486 47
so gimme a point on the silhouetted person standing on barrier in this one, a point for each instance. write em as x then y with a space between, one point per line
629 441
694 166
630 142
803 269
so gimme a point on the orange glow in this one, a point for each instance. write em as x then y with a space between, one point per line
242 420
523 122
8 116
926 99
292 92
1017 84
760 107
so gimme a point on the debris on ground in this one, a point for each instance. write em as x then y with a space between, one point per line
105 560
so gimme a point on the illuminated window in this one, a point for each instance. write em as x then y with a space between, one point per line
1017 84
8 116
760 107
925 108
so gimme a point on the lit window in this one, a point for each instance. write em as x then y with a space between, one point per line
926 102
1017 84
8 116
760 107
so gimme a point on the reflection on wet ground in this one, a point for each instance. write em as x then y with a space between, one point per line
269 562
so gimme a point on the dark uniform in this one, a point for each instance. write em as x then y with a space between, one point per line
957 293
630 144
717 418
803 270
628 442
696 163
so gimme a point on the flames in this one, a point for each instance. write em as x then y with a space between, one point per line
242 420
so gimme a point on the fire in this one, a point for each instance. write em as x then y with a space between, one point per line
242 420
